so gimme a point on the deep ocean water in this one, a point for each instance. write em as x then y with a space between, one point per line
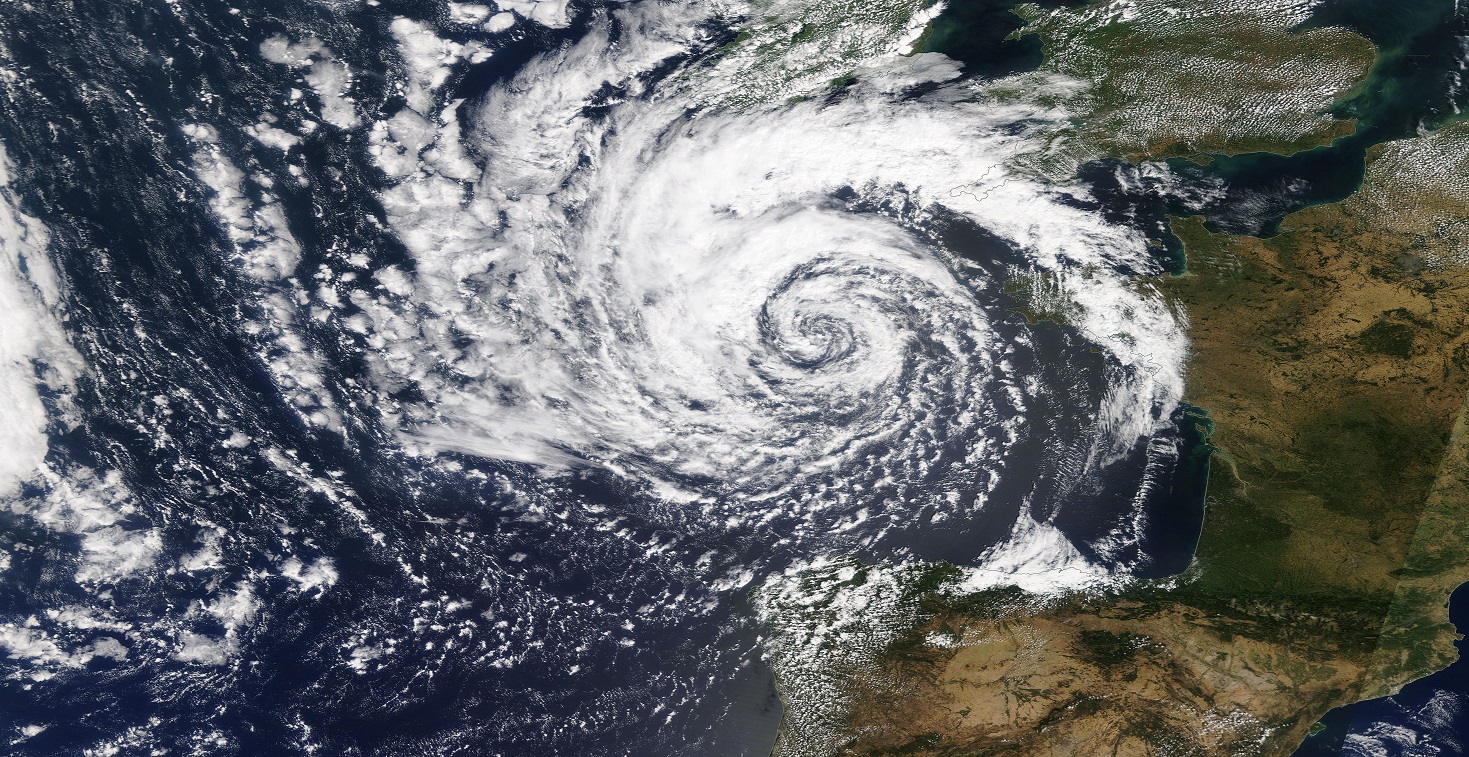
411 378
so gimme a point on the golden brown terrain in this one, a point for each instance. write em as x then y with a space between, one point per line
1331 359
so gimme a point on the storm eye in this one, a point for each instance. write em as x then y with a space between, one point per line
525 377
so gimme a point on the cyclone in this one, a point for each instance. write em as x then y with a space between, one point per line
505 378
732 306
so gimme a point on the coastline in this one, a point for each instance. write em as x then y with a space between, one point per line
1331 364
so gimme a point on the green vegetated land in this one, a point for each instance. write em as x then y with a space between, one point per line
1331 360
1210 76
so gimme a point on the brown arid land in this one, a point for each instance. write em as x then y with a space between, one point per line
1331 360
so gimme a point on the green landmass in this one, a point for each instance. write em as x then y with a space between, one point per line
1042 296
1209 76
794 49
1331 360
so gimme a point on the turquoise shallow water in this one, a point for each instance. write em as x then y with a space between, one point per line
1414 86
530 614
976 33
513 596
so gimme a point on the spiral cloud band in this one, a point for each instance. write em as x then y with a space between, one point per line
537 377
740 305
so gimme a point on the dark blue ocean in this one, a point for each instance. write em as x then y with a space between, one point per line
1428 718
313 587
328 592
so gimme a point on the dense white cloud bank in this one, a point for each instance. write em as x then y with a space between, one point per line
681 297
